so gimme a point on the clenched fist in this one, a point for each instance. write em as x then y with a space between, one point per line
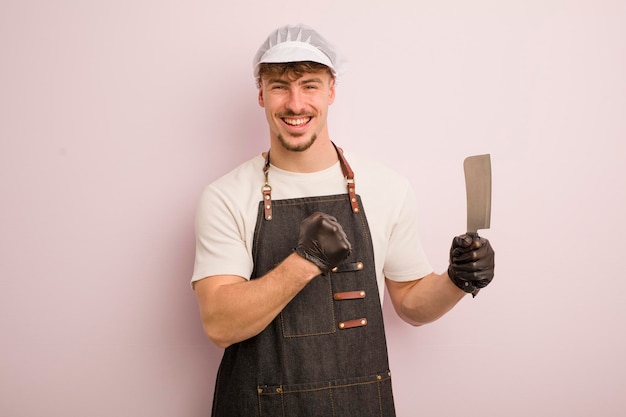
323 241
472 263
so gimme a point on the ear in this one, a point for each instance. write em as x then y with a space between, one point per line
331 98
261 101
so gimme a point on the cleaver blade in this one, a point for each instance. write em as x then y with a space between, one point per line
478 189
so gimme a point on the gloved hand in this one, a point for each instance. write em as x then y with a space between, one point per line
471 263
323 241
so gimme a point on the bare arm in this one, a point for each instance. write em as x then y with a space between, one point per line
233 309
424 300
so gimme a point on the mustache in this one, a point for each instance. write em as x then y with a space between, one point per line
291 113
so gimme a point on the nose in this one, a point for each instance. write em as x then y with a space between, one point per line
295 101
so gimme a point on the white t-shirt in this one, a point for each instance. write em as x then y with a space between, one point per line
227 213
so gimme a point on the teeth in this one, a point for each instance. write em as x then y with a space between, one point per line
297 122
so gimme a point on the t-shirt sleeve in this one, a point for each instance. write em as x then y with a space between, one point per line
220 238
405 259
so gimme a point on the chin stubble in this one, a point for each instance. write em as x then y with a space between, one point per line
299 148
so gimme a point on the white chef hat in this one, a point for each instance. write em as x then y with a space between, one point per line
296 43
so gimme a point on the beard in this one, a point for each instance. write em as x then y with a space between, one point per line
297 148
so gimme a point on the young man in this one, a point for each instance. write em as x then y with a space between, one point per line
290 272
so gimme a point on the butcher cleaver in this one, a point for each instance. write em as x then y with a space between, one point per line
478 189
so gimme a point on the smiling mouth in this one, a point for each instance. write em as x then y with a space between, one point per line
296 121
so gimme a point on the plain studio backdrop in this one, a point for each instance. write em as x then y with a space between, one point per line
115 114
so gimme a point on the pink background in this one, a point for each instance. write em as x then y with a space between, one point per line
114 115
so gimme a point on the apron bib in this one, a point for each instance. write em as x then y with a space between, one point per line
325 354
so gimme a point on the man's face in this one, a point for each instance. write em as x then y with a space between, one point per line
297 110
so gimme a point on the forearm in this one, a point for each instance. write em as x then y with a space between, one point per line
234 310
427 299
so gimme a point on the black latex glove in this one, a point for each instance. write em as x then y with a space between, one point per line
323 241
471 263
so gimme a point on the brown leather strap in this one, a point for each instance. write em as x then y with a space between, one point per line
348 295
267 201
349 174
343 325
345 169
348 267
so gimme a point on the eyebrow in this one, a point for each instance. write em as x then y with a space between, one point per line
311 80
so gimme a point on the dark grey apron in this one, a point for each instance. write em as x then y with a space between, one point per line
325 354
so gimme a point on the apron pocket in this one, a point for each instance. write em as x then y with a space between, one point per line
369 396
311 312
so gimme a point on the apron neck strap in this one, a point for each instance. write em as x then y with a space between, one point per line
345 169
349 176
